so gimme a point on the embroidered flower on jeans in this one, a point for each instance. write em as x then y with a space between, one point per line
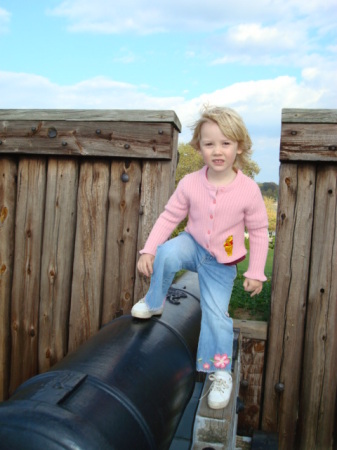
206 366
221 361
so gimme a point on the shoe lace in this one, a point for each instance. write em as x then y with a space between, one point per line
219 385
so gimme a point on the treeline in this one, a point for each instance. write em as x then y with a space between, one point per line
269 189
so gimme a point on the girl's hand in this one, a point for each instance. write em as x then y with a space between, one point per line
253 286
145 264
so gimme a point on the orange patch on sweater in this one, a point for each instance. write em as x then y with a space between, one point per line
229 245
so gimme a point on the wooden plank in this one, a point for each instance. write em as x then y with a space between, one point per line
288 302
124 202
308 142
319 386
158 180
253 348
8 176
57 260
27 264
88 269
89 115
252 370
253 329
216 428
152 203
149 210
309 115
121 139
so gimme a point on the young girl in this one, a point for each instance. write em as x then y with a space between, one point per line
220 202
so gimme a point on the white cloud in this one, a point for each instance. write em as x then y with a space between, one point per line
291 45
151 16
259 102
4 20
126 56
284 44
254 35
21 90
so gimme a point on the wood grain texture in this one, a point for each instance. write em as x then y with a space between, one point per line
158 182
70 207
252 329
89 254
289 299
57 260
302 342
319 383
8 176
309 142
89 115
122 229
251 376
69 138
152 203
315 116
27 266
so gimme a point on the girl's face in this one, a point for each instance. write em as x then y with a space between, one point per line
219 152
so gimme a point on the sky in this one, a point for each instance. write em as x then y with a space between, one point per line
257 57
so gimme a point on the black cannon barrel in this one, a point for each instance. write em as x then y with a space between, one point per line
125 388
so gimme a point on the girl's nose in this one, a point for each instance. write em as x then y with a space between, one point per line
217 149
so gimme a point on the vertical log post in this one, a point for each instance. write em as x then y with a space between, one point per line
300 390
57 260
8 177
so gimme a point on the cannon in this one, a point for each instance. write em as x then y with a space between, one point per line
125 388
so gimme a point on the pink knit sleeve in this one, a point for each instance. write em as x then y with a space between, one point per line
256 221
175 211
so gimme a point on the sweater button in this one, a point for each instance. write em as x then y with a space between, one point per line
211 216
209 232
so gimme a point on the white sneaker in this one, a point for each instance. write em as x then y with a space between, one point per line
142 311
220 390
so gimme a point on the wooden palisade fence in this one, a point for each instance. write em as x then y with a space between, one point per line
79 193
301 376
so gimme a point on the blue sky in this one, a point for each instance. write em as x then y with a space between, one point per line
257 57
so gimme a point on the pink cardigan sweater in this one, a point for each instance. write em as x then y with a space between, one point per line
217 217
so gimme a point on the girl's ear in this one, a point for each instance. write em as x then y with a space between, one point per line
239 150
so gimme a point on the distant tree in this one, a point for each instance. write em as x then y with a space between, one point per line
269 189
271 207
251 169
189 161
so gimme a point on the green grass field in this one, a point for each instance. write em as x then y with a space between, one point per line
242 306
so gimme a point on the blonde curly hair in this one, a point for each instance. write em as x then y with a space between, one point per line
231 125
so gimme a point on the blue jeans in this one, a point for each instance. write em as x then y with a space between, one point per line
216 283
